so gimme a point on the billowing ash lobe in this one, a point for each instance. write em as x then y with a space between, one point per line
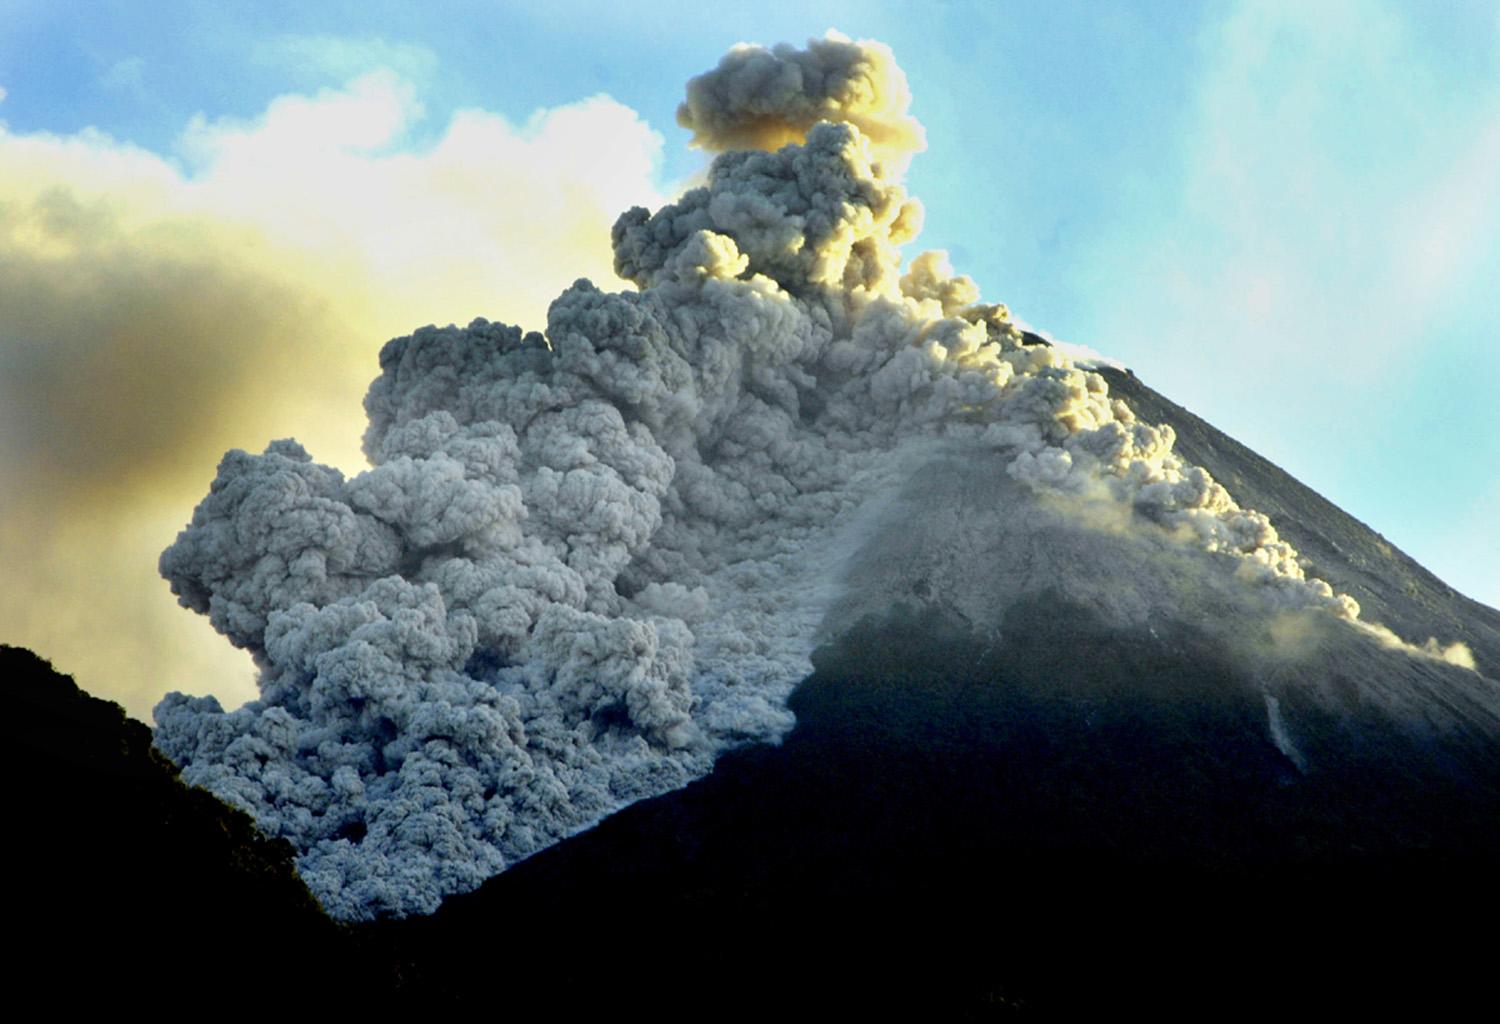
763 99
582 564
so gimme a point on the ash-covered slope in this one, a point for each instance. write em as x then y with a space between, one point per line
1389 586
1049 760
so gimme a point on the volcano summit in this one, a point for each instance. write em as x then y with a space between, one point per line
589 562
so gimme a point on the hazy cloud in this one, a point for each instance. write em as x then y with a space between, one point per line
126 75
1338 205
343 57
1298 216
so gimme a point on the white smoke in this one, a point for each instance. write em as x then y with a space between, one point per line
587 561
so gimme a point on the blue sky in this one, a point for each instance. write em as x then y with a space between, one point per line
1284 216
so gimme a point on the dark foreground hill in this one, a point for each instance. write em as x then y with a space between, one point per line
127 887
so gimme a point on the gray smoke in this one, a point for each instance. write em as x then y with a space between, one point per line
585 562
763 99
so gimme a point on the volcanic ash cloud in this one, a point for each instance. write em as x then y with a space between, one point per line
585 562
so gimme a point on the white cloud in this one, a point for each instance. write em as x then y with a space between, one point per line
156 317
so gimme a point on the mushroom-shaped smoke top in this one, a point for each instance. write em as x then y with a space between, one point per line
763 99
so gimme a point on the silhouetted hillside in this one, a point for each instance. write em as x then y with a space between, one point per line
126 884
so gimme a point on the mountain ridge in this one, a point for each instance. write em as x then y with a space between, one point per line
1261 484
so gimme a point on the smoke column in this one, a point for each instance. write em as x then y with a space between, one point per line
586 561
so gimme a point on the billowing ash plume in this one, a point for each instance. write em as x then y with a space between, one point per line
585 562
763 99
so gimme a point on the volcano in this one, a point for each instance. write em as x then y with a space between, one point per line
797 629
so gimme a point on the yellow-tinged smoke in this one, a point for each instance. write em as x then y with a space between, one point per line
760 98
152 317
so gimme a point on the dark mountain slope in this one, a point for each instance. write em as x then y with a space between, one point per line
1389 585
1046 760
127 886
964 832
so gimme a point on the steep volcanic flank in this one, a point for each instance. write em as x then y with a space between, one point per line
587 563
1049 763
1388 585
